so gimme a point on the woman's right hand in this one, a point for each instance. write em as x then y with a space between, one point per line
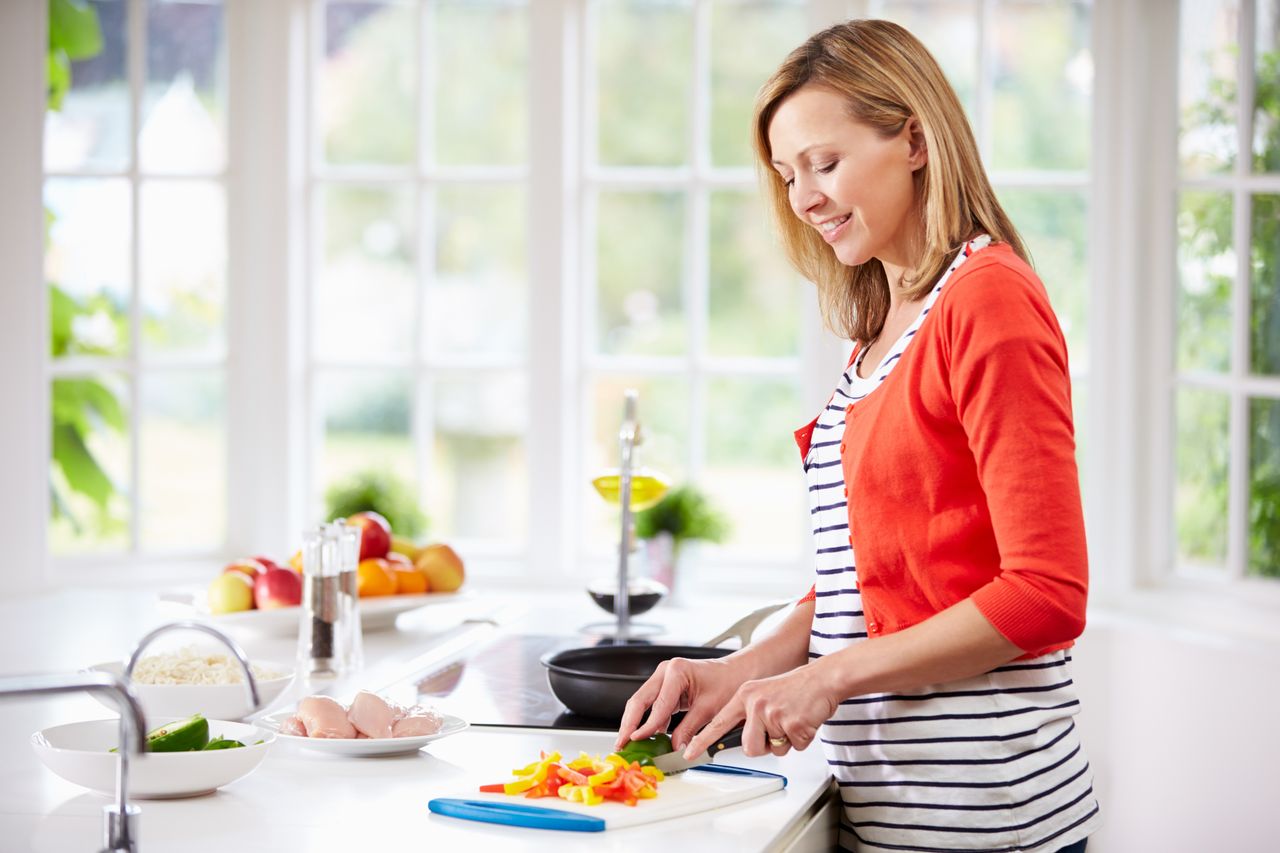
699 687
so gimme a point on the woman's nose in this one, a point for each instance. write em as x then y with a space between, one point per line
804 198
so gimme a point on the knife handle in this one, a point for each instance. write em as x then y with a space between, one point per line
731 739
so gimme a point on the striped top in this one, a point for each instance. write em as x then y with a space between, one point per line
990 763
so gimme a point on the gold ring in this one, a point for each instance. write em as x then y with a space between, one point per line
778 741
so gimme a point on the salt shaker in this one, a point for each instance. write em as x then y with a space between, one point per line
352 645
321 631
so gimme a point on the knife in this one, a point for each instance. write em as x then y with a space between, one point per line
674 762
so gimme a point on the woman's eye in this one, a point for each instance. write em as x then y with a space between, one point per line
822 170
789 183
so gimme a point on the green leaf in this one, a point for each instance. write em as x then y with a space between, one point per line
58 72
82 471
62 311
382 493
74 29
686 514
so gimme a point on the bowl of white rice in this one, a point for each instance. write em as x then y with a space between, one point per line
188 681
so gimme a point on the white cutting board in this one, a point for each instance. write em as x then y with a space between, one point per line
682 794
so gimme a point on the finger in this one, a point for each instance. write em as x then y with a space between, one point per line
667 703
754 737
779 745
728 717
694 720
637 705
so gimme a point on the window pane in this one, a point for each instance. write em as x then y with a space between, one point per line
89 471
478 300
184 103
367 83
1206 269
950 31
183 464
640 271
1264 488
183 260
86 263
365 300
485 45
748 40
1054 227
1043 85
1200 496
755 297
479 483
366 425
1266 115
753 472
1207 79
662 409
91 129
1264 314
643 92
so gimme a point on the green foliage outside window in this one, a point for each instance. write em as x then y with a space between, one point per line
79 405
1207 224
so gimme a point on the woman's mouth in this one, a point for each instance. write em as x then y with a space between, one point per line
833 228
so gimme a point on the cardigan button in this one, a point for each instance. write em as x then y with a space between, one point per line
842 448
873 627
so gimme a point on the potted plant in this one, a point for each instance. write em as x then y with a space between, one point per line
683 515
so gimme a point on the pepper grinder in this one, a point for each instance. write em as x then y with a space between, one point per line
320 632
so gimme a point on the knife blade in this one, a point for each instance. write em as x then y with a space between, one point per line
674 762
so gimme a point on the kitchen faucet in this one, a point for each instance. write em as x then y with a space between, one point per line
120 830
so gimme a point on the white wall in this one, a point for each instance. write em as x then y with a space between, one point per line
1181 728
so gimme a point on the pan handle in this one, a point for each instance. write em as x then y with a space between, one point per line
746 626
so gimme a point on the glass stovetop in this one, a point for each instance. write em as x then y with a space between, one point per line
500 682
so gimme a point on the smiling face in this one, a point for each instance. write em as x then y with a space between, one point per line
847 180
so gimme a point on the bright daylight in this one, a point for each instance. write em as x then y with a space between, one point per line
757 426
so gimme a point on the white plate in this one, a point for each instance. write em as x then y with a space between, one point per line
376 614
79 753
364 746
213 701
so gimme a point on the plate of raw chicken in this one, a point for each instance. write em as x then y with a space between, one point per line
370 725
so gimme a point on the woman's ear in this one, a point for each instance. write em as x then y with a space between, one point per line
918 154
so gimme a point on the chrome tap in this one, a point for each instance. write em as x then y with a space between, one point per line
211 631
628 438
120 831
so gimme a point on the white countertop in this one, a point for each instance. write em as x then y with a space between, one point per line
302 800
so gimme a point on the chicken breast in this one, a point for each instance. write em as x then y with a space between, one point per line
325 717
371 714
293 727
417 722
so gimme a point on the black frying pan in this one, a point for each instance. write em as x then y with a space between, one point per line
597 681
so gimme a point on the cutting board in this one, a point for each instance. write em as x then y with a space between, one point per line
698 789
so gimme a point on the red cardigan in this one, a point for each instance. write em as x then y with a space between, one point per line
962 464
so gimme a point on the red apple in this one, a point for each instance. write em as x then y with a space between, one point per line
375 534
277 588
267 562
250 567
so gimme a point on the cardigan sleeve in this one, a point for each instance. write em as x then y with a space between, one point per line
1007 364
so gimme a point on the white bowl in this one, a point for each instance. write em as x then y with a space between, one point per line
213 701
80 753
364 747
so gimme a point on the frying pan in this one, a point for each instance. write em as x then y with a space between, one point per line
597 681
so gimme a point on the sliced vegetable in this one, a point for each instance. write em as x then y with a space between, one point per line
644 751
588 779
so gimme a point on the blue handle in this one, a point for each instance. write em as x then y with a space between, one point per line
728 770
516 814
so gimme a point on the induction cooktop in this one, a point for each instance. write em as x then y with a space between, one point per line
499 682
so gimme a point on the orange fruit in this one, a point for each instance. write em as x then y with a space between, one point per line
409 581
375 576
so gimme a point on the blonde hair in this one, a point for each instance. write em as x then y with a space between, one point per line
886 77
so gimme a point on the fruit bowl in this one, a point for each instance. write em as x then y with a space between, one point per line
376 614
214 701
80 753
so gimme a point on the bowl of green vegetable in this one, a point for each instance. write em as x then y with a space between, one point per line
184 758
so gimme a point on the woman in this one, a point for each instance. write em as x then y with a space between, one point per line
934 670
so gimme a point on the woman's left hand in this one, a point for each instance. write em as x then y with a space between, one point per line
782 712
